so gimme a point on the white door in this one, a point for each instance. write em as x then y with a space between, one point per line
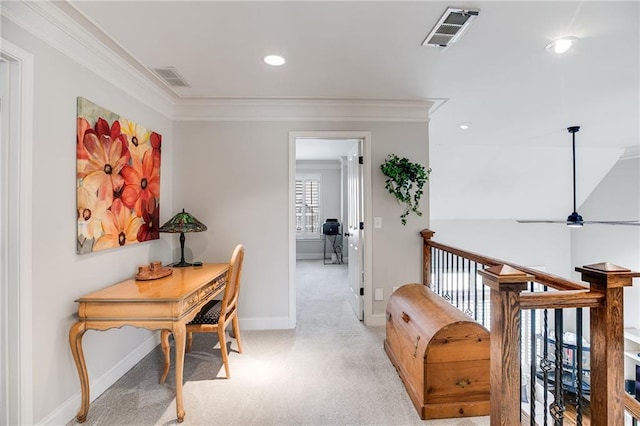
354 231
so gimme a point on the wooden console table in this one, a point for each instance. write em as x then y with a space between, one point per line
164 304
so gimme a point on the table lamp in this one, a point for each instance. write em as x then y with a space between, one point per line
183 222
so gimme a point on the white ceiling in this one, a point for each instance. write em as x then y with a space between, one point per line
515 159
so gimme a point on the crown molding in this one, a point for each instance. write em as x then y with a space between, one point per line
69 31
302 109
62 27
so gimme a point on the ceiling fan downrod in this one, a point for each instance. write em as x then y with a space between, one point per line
574 220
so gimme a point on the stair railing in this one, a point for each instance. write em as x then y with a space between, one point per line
496 293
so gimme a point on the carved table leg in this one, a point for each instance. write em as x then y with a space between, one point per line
179 336
75 341
164 343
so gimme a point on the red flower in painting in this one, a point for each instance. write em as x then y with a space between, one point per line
106 152
142 182
150 229
156 143
120 227
82 156
82 126
114 131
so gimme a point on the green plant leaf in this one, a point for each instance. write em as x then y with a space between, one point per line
405 180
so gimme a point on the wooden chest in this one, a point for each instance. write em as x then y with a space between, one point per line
440 353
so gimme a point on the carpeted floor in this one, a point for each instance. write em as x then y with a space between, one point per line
330 370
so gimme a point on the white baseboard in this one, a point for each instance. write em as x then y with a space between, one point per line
377 320
68 410
317 256
308 256
279 323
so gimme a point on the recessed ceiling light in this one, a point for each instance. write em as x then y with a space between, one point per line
561 45
274 60
464 126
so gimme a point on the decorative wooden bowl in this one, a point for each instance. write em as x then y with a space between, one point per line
153 271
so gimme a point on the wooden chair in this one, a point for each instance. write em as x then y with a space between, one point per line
216 315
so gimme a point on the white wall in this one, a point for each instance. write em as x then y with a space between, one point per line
59 275
234 177
617 197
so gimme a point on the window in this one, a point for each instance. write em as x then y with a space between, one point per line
308 206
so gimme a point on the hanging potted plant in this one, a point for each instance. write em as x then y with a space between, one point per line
405 181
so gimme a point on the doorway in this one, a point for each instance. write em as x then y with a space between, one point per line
326 187
16 96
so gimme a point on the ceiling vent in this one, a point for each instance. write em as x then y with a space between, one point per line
450 27
171 77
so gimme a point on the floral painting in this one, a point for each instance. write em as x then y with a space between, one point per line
117 178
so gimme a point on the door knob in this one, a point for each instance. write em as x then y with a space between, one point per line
346 234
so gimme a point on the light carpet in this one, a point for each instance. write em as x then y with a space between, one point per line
329 370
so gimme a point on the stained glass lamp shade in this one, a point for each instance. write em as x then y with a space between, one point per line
183 222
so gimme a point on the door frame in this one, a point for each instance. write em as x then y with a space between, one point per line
16 310
365 136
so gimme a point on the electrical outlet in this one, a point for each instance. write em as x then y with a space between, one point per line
377 222
379 294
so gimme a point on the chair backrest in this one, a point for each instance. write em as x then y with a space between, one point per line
232 289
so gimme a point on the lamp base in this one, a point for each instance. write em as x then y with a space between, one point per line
181 264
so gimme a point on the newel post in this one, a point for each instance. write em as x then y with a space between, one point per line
427 234
506 283
607 329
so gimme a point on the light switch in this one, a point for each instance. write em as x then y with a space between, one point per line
379 294
377 222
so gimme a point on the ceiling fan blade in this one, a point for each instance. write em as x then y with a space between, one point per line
540 221
593 222
614 222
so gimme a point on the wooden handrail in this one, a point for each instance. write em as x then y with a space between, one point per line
632 406
550 280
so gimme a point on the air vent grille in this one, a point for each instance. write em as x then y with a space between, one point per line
171 76
440 40
458 17
450 27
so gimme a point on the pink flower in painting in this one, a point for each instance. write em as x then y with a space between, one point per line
91 210
120 227
137 137
150 229
106 160
142 182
